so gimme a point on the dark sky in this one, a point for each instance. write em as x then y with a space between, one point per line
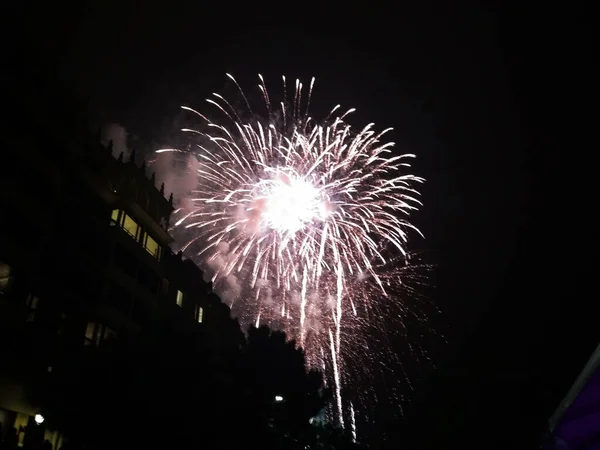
459 83
437 75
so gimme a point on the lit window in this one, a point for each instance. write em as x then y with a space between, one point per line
126 222
152 246
90 331
199 313
4 277
114 218
131 226
96 333
179 298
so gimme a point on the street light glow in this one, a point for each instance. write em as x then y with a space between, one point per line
278 398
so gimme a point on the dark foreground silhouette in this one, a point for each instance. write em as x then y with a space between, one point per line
166 388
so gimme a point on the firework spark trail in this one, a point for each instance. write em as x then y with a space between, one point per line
352 422
336 378
303 209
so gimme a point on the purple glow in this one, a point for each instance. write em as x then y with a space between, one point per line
580 425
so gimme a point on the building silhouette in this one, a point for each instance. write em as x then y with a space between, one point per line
84 250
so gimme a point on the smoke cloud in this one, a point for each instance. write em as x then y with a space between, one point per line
118 135
178 171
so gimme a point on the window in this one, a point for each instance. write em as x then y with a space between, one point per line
125 221
148 278
32 304
179 298
199 313
119 298
141 314
90 333
32 301
125 261
62 329
108 333
130 226
4 277
151 245
95 333
114 218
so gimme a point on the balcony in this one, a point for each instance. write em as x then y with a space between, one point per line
130 226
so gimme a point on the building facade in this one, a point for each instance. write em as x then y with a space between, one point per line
84 254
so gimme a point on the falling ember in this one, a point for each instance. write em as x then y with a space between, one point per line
352 422
312 211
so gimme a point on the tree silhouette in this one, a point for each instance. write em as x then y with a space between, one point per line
171 388
280 397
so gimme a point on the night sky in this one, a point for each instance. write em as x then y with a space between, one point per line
460 85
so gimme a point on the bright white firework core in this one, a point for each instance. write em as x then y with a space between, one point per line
287 203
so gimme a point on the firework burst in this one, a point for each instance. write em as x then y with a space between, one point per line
302 221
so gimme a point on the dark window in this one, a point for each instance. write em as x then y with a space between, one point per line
148 278
32 305
141 314
125 260
119 298
108 333
5 273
